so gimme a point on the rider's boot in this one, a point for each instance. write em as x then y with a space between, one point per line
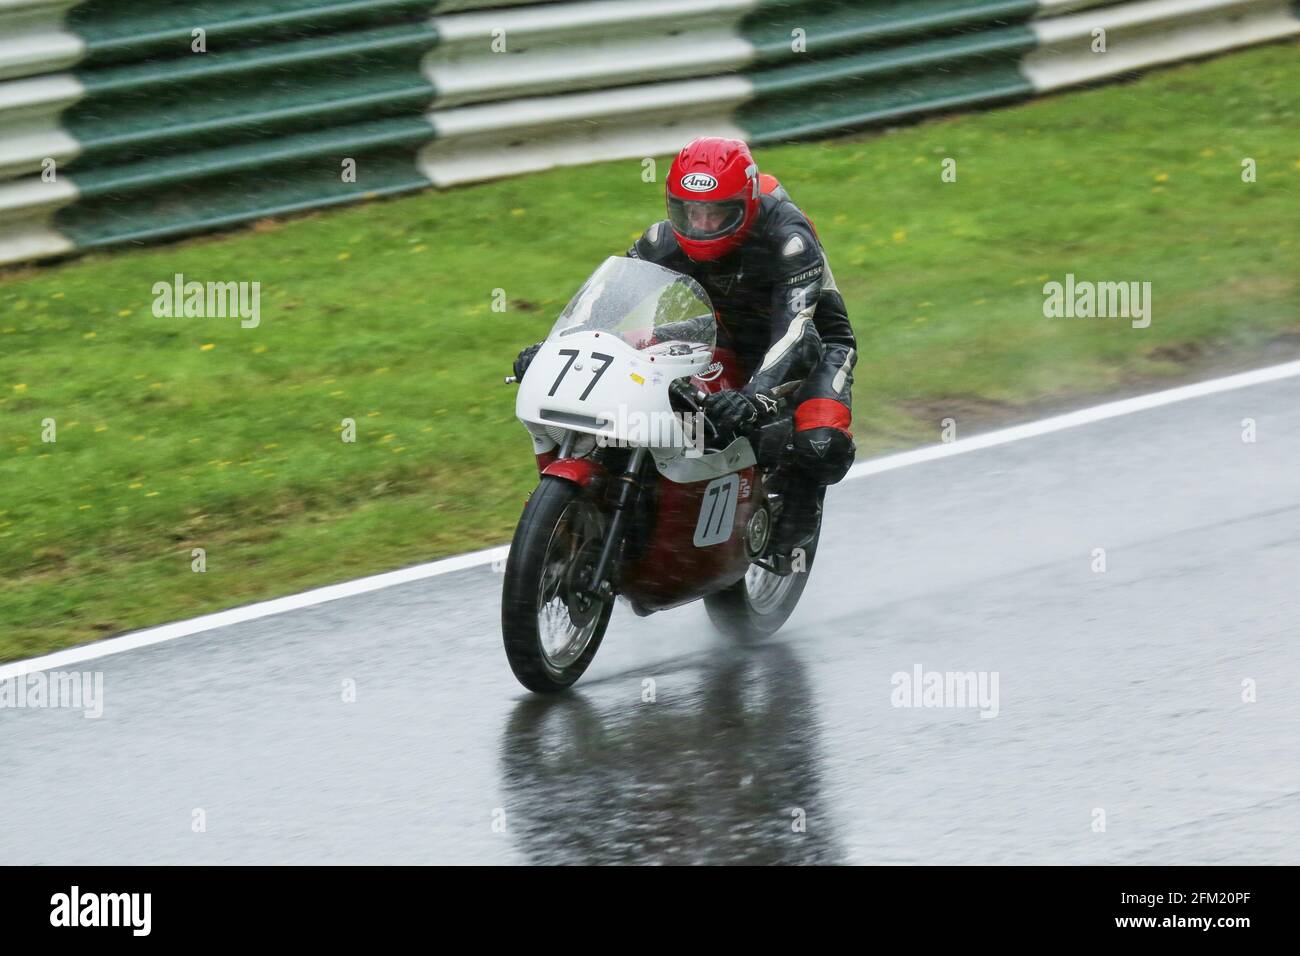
801 514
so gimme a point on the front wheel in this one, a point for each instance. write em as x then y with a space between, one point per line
758 604
550 624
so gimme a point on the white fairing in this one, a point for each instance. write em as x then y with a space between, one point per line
632 330
608 389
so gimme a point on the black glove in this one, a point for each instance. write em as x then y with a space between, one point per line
525 359
733 411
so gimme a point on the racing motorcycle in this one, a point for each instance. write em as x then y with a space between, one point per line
640 497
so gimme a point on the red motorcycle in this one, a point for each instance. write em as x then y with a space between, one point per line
640 497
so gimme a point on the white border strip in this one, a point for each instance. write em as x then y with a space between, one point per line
250 612
474 559
1085 416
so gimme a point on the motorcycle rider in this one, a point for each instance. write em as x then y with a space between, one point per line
757 255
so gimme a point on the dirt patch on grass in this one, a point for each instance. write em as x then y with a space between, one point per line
1196 361
965 410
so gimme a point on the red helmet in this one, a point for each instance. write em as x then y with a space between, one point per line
712 193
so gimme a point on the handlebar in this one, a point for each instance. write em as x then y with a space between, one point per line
692 399
683 391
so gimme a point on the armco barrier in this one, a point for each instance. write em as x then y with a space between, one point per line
114 129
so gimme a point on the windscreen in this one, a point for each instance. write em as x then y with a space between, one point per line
643 303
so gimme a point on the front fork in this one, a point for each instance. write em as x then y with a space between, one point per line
629 484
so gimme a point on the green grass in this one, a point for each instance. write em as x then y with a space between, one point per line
183 433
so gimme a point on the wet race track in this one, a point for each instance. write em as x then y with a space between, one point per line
1119 692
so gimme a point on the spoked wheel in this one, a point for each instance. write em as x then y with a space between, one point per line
551 625
760 603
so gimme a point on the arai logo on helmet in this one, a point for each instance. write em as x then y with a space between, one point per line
699 182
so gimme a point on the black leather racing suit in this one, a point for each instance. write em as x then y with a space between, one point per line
778 310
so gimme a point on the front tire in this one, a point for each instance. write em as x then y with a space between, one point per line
551 628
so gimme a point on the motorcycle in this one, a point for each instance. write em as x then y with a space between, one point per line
640 498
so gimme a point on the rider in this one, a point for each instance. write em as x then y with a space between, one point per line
741 237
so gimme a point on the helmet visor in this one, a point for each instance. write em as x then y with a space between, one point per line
701 219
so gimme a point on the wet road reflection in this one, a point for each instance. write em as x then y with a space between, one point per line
720 768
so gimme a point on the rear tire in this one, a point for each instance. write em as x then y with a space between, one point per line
550 629
760 603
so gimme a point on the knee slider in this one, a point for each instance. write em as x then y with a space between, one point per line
824 453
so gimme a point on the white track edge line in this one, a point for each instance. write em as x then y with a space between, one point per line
250 612
1084 416
474 559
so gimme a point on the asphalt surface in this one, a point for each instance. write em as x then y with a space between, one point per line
1119 691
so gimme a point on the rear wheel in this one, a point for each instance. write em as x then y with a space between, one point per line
550 625
758 604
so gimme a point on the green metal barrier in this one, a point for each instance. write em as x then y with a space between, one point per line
114 129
